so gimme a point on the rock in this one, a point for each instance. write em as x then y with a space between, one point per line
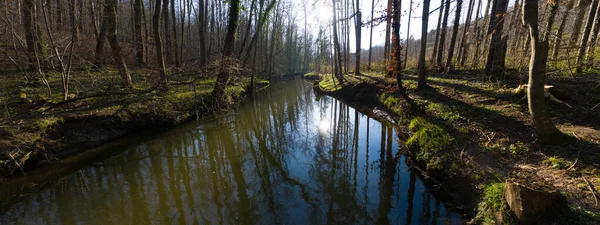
528 205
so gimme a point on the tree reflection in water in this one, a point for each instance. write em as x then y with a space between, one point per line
284 158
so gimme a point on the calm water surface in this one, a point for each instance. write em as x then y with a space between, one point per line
287 157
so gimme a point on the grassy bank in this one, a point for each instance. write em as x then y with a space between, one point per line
38 127
470 134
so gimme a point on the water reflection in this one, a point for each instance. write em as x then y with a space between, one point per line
284 158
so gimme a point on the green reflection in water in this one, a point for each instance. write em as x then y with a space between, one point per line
286 157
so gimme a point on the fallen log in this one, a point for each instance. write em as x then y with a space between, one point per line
550 92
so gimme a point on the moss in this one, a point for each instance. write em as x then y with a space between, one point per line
492 204
431 142
518 148
555 162
444 112
43 124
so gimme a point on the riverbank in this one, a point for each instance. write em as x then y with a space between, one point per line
39 130
471 135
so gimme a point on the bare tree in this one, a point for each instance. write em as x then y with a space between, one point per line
586 34
358 25
397 56
443 35
497 49
223 78
449 65
371 35
537 72
110 17
422 81
437 32
139 40
158 43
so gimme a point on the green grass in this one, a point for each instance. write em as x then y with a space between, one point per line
431 143
492 203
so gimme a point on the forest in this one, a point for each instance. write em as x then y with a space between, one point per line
494 105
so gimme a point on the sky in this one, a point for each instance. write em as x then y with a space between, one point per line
320 13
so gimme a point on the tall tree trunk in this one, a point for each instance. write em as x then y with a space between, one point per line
559 33
578 21
537 74
593 36
261 23
202 33
100 41
497 49
443 35
463 49
158 43
422 81
358 26
408 32
386 47
397 56
449 64
139 37
174 37
437 32
336 46
59 17
74 15
33 37
223 78
167 33
110 14
586 33
371 35
480 47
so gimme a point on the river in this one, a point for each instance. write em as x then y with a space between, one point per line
284 157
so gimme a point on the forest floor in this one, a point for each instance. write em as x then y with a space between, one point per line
37 128
492 134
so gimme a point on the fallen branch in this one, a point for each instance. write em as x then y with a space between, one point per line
591 187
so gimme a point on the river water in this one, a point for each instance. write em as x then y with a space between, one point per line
285 157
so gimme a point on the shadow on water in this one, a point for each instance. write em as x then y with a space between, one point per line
283 158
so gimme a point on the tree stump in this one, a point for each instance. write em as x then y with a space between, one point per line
529 205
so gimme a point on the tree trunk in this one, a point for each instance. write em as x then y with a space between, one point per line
449 65
139 37
201 33
397 56
559 33
443 35
358 26
100 41
497 49
463 48
593 36
537 74
586 33
437 32
158 43
336 46
174 37
223 78
408 32
33 37
581 9
388 19
110 14
371 36
167 33
422 81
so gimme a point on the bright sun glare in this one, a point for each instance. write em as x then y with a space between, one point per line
322 13
323 126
